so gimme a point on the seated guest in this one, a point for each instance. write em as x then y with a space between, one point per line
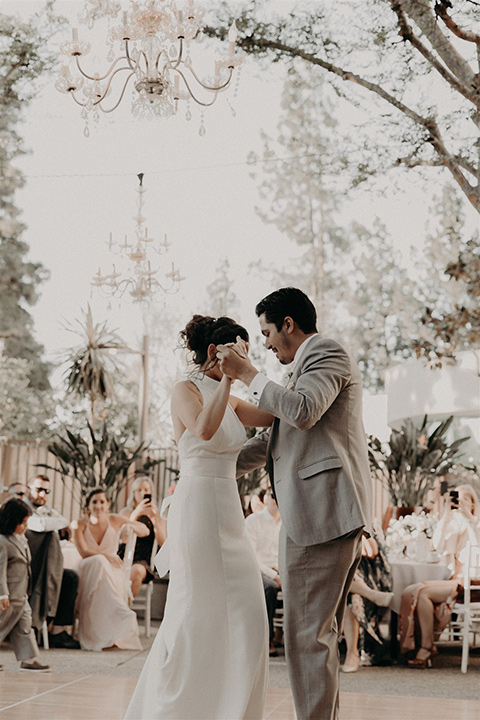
426 607
104 618
141 506
263 529
53 591
256 503
367 601
17 489
15 612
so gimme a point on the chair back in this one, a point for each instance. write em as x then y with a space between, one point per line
128 560
472 568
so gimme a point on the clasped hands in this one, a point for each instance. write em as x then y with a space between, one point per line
233 358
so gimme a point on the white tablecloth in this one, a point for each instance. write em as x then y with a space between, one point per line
408 572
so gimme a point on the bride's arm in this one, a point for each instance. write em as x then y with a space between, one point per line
250 415
187 406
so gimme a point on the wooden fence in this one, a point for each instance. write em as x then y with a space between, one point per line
19 459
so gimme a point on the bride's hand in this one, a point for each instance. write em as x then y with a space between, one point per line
240 347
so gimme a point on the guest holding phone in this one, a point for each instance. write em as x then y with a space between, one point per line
426 607
140 506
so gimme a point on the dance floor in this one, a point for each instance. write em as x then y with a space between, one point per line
58 696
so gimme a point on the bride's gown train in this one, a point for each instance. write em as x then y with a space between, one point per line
209 660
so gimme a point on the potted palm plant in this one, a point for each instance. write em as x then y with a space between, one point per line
411 460
102 459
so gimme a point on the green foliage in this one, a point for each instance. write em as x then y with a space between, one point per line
380 298
412 459
458 326
23 61
102 460
25 411
299 183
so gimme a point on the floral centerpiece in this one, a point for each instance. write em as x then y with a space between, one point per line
411 535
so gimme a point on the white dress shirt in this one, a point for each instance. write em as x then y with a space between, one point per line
260 380
263 532
44 519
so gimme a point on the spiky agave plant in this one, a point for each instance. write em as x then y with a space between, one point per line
89 375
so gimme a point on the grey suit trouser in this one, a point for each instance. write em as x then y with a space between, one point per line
16 621
315 584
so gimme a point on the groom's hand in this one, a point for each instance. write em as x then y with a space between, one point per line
235 366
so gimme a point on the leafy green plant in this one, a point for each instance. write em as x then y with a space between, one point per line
102 460
412 459
89 375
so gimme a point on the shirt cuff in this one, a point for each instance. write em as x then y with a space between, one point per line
257 386
269 572
4 597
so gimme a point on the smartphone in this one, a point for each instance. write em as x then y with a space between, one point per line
148 497
454 499
443 487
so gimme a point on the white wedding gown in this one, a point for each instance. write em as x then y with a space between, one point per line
209 660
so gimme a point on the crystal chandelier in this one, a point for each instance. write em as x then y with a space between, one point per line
154 58
140 281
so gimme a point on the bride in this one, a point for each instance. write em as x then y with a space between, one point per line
210 657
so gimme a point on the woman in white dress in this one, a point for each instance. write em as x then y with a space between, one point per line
209 660
104 618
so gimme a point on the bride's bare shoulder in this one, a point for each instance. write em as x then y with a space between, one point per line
183 388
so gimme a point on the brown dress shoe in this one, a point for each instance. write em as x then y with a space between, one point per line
34 666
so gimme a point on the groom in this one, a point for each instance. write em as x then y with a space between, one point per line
316 456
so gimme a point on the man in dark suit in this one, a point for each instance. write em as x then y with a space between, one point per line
54 589
316 456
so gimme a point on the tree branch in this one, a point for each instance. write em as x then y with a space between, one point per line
441 11
425 19
470 92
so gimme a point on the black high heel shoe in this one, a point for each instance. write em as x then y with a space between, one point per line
422 663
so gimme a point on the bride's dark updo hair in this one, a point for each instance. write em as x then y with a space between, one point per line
203 330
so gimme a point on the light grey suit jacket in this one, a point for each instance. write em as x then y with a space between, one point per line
316 450
14 567
14 581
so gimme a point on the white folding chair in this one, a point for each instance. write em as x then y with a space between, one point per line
468 609
278 617
465 625
128 560
46 645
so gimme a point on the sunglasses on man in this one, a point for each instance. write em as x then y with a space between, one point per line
40 489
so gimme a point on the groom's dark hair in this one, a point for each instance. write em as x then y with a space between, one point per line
289 302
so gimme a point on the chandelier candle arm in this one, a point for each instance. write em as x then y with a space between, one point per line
96 76
211 88
105 111
199 102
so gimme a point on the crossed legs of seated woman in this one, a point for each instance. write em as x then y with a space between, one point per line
356 620
425 611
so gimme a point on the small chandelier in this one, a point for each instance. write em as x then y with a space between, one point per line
141 281
154 56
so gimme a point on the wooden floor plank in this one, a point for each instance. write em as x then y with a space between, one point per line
100 697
